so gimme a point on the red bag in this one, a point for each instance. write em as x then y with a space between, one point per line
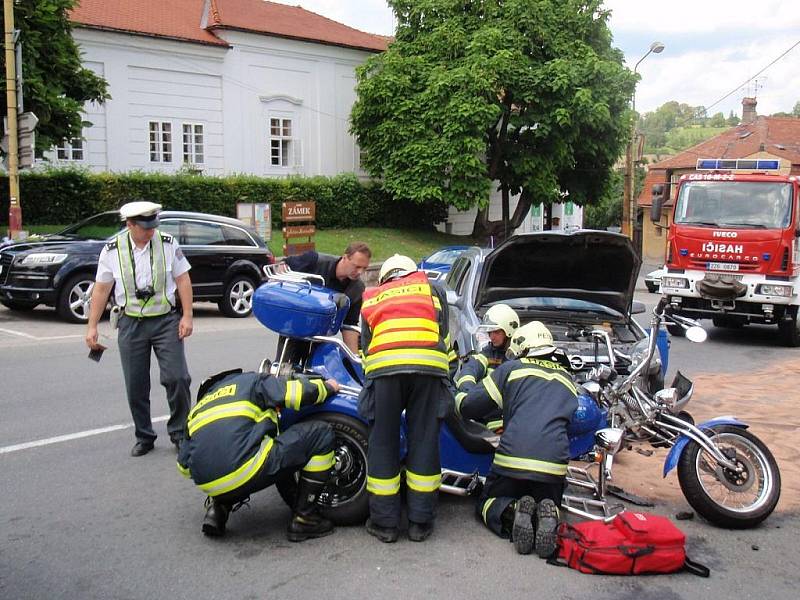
633 543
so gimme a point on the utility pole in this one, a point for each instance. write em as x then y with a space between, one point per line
14 208
629 208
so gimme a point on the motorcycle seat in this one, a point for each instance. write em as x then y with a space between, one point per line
473 437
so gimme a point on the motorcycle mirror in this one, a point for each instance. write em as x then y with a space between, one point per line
609 438
696 334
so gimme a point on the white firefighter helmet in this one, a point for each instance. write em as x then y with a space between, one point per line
532 339
500 316
395 265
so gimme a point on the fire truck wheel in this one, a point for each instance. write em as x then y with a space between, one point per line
790 332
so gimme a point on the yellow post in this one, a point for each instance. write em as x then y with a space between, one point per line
14 208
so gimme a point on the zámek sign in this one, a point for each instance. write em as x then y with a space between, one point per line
299 211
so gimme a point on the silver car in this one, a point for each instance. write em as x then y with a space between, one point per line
573 283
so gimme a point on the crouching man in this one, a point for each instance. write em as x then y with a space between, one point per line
233 448
537 397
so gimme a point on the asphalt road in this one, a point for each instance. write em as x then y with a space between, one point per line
80 518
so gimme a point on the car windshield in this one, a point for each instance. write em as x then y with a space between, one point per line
446 257
551 303
98 227
735 204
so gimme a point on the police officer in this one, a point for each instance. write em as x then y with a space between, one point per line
341 274
403 331
148 272
537 396
499 322
233 447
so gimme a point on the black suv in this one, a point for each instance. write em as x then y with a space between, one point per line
227 259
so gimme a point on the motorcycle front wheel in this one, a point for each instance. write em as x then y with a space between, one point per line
344 499
736 500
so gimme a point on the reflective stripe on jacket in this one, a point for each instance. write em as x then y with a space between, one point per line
538 398
404 328
231 428
157 305
479 366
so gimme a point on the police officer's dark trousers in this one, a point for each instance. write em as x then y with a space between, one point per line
137 337
500 491
421 397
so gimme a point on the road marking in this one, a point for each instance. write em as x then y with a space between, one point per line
71 436
46 338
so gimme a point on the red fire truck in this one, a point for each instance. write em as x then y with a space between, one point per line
732 252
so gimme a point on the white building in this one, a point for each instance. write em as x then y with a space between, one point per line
229 86
221 86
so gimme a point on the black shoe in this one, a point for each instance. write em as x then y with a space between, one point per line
141 448
176 439
304 527
546 528
522 533
419 532
215 519
387 535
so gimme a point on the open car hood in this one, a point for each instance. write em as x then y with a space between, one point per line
595 266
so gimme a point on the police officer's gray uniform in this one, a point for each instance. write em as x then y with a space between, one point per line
145 290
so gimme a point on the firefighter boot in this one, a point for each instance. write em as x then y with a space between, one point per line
307 521
546 528
522 532
216 517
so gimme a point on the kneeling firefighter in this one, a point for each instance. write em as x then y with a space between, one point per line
538 397
233 447
403 332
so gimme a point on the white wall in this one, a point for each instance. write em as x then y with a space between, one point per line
232 92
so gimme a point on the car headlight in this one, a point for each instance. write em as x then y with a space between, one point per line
43 258
674 282
768 289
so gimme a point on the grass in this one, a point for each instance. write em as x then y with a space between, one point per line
383 242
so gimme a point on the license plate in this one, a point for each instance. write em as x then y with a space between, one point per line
722 266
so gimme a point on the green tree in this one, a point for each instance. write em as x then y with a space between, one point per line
55 84
733 120
526 95
796 109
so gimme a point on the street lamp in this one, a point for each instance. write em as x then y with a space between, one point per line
628 200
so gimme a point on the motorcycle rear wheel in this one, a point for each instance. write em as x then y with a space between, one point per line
344 499
725 498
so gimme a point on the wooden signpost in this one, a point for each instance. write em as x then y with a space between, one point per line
298 212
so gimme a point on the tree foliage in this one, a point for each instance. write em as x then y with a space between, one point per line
525 94
55 84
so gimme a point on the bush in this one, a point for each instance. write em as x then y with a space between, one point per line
62 196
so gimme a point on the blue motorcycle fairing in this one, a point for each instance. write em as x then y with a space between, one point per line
329 361
343 404
675 453
586 420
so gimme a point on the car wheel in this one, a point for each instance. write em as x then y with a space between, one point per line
73 300
651 287
19 305
237 300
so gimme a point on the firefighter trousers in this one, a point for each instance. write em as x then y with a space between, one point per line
421 396
499 492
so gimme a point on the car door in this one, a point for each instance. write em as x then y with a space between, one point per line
456 282
204 245
242 246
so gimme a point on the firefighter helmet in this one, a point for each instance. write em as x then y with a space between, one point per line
395 265
500 316
532 339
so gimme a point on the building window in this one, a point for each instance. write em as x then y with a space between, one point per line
72 150
160 141
193 144
284 150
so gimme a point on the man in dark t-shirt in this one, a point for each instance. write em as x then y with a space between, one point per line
341 274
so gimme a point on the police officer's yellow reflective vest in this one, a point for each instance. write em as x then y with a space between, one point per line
403 318
158 304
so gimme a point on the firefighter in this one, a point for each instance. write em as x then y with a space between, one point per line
233 447
526 482
403 332
500 322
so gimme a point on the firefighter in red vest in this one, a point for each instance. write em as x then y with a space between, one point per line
403 332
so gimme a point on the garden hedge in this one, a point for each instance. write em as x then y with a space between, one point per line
64 196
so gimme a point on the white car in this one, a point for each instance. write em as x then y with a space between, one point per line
653 280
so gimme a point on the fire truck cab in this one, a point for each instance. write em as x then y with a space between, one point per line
732 248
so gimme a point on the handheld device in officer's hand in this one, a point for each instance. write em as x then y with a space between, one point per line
97 353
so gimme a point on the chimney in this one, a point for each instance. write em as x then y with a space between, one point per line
748 110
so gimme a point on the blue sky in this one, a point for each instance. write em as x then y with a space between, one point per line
712 47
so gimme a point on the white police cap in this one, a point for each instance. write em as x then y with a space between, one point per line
143 212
